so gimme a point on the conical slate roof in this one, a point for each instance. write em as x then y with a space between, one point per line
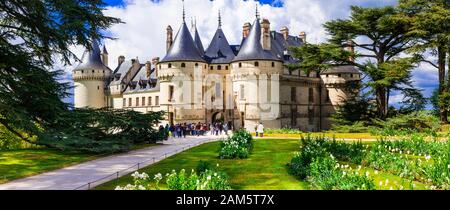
183 47
91 59
219 50
198 42
251 48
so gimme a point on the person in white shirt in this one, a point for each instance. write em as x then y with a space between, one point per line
260 129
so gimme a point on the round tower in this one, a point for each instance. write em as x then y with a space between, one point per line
180 73
255 74
90 78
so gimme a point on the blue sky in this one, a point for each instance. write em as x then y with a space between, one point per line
143 34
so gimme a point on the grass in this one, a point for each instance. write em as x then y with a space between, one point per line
327 134
15 164
265 169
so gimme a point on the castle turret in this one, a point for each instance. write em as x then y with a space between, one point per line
90 78
104 55
169 38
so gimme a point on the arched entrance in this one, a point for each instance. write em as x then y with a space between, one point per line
218 117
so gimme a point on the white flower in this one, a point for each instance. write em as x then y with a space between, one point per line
344 173
428 157
376 171
118 188
158 176
367 173
391 188
387 182
448 166
381 183
208 178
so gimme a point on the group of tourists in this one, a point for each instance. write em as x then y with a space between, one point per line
181 130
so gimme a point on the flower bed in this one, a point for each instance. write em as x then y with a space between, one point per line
209 179
326 163
239 145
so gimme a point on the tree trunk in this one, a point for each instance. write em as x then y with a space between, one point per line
381 101
442 85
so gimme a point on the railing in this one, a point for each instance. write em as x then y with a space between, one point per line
116 175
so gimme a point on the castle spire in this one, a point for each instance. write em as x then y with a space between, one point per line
257 12
184 13
220 20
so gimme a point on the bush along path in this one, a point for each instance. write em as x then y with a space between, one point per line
73 177
411 163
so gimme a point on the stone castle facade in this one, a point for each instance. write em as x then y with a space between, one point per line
242 84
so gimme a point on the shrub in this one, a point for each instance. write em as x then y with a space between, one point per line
326 174
206 180
239 145
357 127
102 130
408 124
282 131
203 166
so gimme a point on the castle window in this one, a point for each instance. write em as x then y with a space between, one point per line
143 101
137 101
339 75
242 93
149 101
240 65
183 65
311 116
211 68
273 64
98 87
256 63
293 94
327 99
93 71
124 102
103 71
311 95
326 75
82 71
219 67
159 66
170 65
157 100
171 90
351 75
129 101
196 64
226 67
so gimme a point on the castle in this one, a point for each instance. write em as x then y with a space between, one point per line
241 84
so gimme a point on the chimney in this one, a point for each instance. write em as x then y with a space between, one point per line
148 68
155 61
169 41
302 36
120 60
104 56
350 47
285 32
265 33
246 30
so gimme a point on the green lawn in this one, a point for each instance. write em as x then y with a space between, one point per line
15 164
264 170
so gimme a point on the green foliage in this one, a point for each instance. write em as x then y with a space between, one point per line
327 175
322 147
239 145
203 166
206 180
282 131
32 34
407 124
102 130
